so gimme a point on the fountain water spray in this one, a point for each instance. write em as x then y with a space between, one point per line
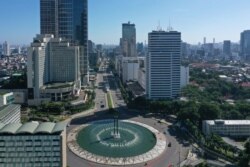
116 133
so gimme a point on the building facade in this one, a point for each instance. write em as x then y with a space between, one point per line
33 144
184 76
230 128
142 77
53 69
67 19
6 98
163 65
130 68
64 63
49 17
6 49
245 44
227 47
128 41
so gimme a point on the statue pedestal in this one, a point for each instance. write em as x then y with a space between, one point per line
115 135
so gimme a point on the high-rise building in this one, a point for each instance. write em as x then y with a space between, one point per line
67 19
38 65
63 61
49 17
227 47
53 69
245 44
163 65
184 49
128 41
33 144
6 49
204 41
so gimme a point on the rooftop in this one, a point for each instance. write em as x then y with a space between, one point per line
5 109
32 128
57 85
228 122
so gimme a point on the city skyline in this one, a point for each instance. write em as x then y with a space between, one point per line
196 19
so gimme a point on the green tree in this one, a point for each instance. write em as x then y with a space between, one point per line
245 158
189 111
209 111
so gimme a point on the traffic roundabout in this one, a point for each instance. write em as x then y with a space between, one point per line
116 142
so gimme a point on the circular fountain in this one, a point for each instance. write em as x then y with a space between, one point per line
116 142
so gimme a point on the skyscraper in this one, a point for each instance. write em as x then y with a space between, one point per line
67 19
163 65
245 44
6 49
227 47
49 17
128 40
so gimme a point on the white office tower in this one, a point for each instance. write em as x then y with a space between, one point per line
184 76
163 65
130 67
6 49
128 41
53 70
64 61
37 65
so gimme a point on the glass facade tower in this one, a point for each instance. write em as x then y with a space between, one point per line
49 14
245 44
67 19
128 40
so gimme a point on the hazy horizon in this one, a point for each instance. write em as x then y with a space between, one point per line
222 20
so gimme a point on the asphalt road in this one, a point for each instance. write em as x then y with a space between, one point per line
172 155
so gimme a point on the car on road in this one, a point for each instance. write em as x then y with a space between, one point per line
102 106
169 144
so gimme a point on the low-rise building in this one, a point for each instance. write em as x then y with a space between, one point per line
229 128
33 144
6 98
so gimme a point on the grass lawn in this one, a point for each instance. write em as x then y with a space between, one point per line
110 102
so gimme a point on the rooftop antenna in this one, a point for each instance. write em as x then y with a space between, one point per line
159 26
170 28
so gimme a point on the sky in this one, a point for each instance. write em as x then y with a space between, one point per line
195 19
